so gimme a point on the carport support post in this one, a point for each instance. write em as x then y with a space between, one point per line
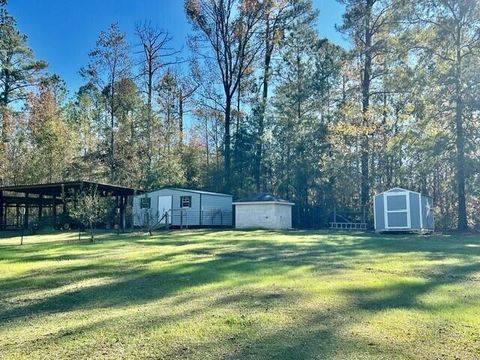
25 219
40 209
5 207
132 222
54 210
123 201
116 217
64 200
1 211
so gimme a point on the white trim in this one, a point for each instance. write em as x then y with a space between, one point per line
401 190
374 213
409 214
405 193
385 213
433 213
421 210
262 203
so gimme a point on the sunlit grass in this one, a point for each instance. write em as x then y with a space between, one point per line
240 295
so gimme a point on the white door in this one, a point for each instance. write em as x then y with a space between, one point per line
397 210
165 205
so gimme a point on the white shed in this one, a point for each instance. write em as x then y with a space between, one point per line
263 211
183 207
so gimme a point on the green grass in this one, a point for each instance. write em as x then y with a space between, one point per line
240 295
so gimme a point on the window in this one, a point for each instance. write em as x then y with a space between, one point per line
185 201
145 203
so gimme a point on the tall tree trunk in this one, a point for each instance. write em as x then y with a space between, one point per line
460 145
239 102
112 147
460 139
169 128
227 153
149 117
112 135
5 117
180 117
367 69
263 108
207 147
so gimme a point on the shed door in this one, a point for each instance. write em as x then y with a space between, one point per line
397 210
165 205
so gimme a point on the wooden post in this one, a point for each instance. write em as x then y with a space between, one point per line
2 225
40 209
54 210
5 212
123 202
25 219
116 217
64 199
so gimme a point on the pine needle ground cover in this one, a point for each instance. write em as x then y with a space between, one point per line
240 295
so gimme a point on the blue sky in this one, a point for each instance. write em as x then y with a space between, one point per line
62 32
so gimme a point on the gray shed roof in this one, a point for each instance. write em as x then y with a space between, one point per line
262 197
399 189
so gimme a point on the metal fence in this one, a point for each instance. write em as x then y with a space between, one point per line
185 218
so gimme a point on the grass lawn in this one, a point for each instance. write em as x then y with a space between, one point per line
240 295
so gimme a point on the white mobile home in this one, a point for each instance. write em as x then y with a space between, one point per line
402 210
183 207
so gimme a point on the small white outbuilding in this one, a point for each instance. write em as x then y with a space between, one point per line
263 211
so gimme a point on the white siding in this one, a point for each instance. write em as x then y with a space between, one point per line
263 216
187 216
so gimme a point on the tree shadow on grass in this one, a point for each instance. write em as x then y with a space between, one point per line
407 294
218 261
128 286
210 261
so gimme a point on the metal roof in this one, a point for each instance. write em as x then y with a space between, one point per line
56 189
262 197
193 191
399 189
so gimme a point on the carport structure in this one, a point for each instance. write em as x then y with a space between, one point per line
39 197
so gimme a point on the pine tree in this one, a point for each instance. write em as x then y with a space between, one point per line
109 64
19 71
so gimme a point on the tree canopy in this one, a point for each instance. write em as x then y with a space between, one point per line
262 103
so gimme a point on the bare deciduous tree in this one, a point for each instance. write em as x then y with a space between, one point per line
227 29
156 54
